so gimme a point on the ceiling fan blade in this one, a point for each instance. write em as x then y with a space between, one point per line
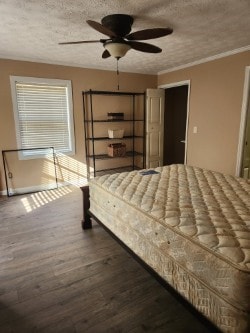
99 27
105 54
149 34
144 47
83 41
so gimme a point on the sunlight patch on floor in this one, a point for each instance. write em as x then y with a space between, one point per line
36 200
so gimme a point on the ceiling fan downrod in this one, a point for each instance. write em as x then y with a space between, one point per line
117 73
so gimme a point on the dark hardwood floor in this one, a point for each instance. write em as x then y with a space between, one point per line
55 277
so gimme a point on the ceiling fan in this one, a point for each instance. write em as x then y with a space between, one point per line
117 27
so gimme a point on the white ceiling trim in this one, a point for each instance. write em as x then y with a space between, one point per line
59 63
48 62
202 61
194 63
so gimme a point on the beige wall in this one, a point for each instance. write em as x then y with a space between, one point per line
72 168
215 108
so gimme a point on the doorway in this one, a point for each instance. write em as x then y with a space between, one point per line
243 156
245 168
175 124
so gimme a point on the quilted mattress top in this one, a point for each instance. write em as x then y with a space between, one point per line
209 208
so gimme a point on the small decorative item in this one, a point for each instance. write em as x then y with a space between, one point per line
116 149
115 116
115 133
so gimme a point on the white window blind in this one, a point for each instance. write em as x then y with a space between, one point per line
43 114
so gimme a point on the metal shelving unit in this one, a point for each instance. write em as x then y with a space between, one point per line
134 157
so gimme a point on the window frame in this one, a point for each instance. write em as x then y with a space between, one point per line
50 82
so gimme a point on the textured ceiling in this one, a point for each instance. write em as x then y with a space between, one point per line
32 29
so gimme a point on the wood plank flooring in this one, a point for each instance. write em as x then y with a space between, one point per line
55 277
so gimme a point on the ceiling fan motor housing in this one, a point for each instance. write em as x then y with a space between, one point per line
120 24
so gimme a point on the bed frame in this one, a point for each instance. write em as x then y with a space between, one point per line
87 224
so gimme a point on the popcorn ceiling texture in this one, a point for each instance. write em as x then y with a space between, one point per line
31 30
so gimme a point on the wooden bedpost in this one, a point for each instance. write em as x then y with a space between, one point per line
86 221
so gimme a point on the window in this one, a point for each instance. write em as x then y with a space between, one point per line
43 115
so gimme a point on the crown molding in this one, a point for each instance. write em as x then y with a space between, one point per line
204 60
73 65
173 69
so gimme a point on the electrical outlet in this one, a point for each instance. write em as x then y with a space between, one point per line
10 175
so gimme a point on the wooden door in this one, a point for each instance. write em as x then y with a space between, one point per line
154 127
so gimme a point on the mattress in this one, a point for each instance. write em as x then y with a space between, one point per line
192 226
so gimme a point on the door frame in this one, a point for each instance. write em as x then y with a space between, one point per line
243 120
178 84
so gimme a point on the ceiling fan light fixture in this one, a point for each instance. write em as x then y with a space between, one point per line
116 49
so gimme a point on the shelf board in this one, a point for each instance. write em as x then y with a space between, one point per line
123 168
112 120
106 157
126 168
115 93
106 138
